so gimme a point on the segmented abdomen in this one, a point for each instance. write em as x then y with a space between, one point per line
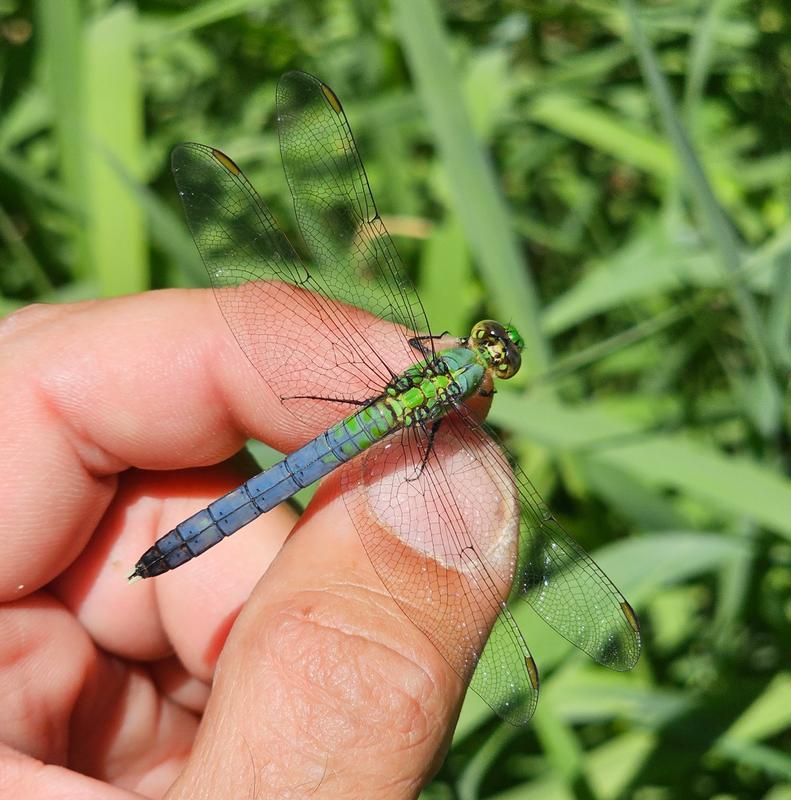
225 516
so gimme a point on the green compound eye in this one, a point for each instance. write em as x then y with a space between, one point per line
499 345
510 367
516 337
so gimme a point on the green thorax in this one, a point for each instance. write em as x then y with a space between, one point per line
422 393
428 389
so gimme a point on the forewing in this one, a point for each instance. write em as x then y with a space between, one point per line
444 542
555 575
267 295
335 208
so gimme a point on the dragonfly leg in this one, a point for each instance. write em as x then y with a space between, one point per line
487 392
417 342
432 432
327 399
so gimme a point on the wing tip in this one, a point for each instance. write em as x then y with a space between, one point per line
298 77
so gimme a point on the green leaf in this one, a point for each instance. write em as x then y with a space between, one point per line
728 483
719 228
591 694
114 129
61 53
156 29
479 204
768 715
445 271
602 130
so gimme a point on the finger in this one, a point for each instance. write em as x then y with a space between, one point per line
154 381
323 688
66 702
29 778
187 611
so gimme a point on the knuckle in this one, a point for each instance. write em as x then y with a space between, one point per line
356 685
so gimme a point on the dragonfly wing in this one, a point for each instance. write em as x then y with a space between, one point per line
335 208
506 676
555 575
444 543
267 294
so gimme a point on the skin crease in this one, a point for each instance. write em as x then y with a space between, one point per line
114 412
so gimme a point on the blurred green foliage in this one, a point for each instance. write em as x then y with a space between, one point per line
614 178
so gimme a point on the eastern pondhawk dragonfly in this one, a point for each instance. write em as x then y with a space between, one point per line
406 435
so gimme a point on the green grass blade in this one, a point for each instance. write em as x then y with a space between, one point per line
475 770
579 120
563 751
445 271
757 758
701 53
29 114
719 228
156 29
474 189
779 321
735 485
25 260
117 236
60 52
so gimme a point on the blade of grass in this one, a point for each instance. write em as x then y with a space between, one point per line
166 228
616 765
157 28
475 192
768 715
613 767
445 272
117 237
720 231
45 189
29 114
477 768
700 53
645 508
650 264
757 757
612 344
60 51
729 483
780 311
37 276
601 130
563 751
580 693
734 582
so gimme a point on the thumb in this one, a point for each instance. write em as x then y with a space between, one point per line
324 688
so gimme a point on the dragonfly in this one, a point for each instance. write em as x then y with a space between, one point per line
396 407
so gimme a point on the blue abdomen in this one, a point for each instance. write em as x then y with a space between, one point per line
261 493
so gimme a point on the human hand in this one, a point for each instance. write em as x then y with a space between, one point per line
113 411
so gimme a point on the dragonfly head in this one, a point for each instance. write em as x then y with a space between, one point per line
500 346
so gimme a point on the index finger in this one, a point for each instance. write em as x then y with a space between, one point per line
154 381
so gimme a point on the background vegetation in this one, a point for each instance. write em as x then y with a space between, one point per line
611 176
